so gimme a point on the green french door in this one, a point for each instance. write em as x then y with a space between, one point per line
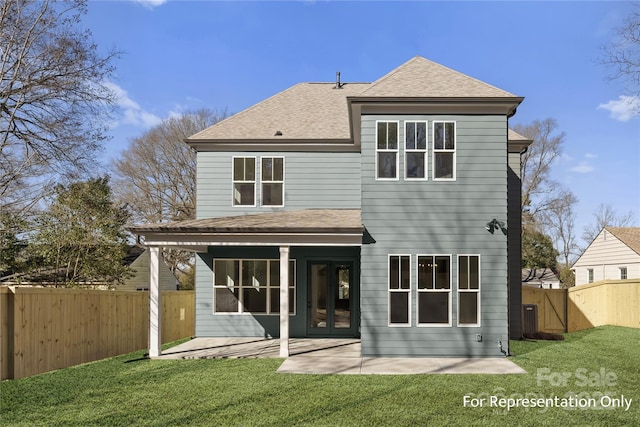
331 308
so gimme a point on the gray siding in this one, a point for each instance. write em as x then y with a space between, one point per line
514 185
312 180
437 217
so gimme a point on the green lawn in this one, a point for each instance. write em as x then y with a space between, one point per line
129 390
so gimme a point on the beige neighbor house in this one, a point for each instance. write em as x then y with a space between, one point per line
613 255
543 278
138 259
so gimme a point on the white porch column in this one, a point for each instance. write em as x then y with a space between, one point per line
284 301
155 321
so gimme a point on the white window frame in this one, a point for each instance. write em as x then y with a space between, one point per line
399 290
439 291
234 182
477 291
269 287
444 150
624 273
416 150
272 181
387 150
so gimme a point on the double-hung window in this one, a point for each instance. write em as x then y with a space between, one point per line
400 290
244 181
623 273
387 150
590 274
434 290
469 290
415 154
272 181
444 150
250 286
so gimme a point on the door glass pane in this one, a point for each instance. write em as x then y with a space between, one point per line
342 309
318 296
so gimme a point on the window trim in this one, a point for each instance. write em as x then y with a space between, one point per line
448 291
477 291
416 150
241 311
234 182
387 150
434 151
262 181
399 290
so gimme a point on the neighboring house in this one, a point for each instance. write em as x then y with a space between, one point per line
543 278
381 208
138 259
614 254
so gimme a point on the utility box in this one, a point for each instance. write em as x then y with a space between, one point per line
529 319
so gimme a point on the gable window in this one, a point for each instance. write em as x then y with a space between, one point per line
272 181
434 290
387 150
469 290
400 290
415 163
444 150
244 181
250 286
623 273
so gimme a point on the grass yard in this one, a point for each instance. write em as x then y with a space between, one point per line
129 390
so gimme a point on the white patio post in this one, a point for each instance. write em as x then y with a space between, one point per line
155 337
284 301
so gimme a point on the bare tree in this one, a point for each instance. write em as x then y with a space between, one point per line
606 216
559 222
53 97
156 175
622 55
539 191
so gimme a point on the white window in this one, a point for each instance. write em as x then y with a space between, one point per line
250 286
415 154
468 290
590 273
272 181
434 290
444 150
387 150
244 181
400 290
623 273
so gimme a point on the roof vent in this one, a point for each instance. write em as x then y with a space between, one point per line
338 84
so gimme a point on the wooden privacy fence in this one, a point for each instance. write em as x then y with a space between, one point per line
609 302
45 329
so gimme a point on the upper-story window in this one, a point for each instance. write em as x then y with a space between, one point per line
444 150
387 150
272 181
415 163
244 181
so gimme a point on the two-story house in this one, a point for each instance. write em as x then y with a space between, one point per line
388 211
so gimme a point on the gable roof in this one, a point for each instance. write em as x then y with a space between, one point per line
630 236
320 112
421 78
538 276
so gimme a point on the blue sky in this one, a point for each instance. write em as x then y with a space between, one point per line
181 55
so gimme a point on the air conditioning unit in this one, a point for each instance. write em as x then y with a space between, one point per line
529 320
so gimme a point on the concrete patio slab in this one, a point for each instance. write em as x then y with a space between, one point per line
335 356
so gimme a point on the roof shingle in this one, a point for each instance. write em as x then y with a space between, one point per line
630 236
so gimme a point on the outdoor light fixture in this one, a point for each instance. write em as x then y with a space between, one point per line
493 224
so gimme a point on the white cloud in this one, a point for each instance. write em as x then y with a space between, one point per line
583 167
624 109
150 4
590 156
132 112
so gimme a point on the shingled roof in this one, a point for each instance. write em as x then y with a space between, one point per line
630 236
320 111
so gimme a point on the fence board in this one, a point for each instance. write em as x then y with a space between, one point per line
45 329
